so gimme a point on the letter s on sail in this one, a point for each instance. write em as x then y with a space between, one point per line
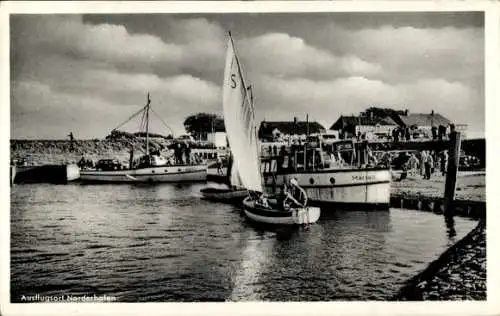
233 81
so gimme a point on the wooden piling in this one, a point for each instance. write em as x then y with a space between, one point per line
12 174
451 173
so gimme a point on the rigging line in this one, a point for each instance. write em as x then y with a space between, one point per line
164 123
130 118
141 123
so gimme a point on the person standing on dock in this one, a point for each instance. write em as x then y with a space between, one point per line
434 132
71 140
422 163
441 132
429 162
395 135
412 165
444 162
407 134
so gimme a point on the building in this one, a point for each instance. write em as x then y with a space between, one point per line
425 121
371 127
218 139
218 134
272 131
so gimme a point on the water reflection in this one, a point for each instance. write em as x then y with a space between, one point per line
247 284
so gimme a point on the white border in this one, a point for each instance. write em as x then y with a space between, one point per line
492 26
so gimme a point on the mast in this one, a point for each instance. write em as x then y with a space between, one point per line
147 125
306 144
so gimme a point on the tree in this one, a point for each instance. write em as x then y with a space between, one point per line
200 124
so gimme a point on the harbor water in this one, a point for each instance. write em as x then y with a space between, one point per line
163 243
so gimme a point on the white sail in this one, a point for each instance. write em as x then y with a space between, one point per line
234 178
240 123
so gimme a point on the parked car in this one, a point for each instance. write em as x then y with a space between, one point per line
467 161
108 164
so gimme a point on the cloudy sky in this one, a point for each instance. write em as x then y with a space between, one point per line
88 73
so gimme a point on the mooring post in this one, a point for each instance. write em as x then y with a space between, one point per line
451 174
12 174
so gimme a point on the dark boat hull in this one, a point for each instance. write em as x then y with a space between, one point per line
225 195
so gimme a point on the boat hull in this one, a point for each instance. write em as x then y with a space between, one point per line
300 216
341 188
181 173
224 195
56 174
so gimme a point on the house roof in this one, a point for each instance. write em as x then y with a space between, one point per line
424 119
290 128
344 121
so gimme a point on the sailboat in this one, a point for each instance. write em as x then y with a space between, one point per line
241 132
150 167
234 193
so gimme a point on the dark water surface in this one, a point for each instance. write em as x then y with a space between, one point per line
164 243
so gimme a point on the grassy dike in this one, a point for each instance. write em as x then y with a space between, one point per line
42 152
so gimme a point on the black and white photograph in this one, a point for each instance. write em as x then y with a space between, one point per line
252 152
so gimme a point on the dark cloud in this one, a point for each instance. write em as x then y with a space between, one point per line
98 68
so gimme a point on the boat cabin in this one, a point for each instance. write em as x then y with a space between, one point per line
309 157
147 161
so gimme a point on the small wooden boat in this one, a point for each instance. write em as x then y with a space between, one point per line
233 194
242 137
272 215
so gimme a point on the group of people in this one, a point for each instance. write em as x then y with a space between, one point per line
437 132
402 133
85 163
182 153
428 163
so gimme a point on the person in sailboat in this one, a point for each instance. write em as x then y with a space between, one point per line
262 201
295 197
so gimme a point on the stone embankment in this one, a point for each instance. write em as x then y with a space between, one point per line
458 274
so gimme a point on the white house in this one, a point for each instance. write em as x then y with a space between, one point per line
218 139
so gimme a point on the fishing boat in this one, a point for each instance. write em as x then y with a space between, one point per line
150 167
238 107
335 176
